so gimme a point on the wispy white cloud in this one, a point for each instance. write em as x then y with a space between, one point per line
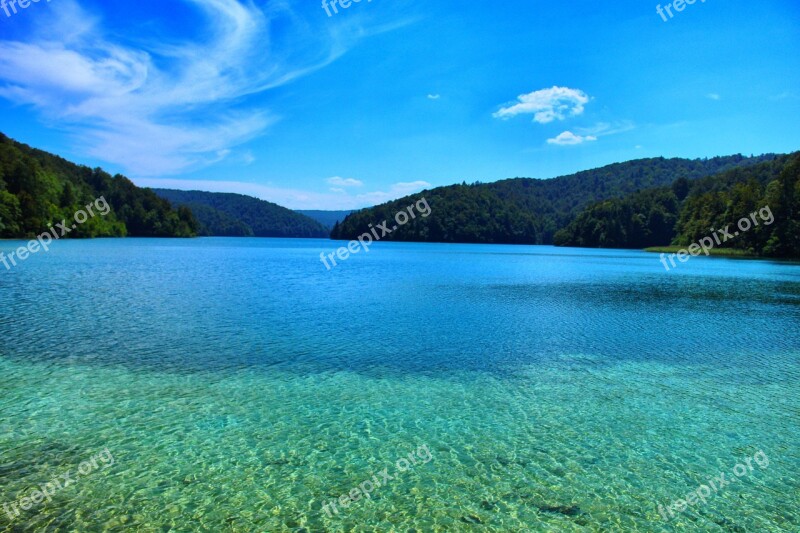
165 107
434 96
601 129
289 197
344 182
713 96
568 138
547 105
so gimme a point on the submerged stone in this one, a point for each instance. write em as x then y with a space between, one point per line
566 510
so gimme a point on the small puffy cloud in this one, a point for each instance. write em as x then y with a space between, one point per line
338 181
434 96
397 190
409 187
713 96
568 138
547 105
592 133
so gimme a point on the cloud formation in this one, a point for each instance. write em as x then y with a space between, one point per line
159 107
583 135
601 129
337 181
568 138
547 105
398 190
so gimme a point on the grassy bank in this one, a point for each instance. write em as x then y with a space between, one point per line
721 252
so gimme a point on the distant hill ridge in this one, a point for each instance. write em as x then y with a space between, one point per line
237 215
530 211
326 218
646 202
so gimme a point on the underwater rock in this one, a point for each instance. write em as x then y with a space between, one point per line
471 519
729 526
489 506
566 510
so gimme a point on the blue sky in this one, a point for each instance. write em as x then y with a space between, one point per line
281 101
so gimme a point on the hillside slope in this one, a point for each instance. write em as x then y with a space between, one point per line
529 211
687 212
38 189
237 215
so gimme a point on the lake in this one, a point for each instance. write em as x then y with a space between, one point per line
238 385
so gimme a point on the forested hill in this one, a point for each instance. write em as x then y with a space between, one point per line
237 215
686 212
38 189
529 211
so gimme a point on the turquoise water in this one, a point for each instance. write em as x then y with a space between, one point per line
239 386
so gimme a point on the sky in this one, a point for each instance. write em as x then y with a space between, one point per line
313 106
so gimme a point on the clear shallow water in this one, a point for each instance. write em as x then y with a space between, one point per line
239 386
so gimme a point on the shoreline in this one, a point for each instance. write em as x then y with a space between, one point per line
718 252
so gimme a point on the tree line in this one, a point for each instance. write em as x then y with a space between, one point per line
531 211
688 211
38 189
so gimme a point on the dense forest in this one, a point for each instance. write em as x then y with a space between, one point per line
691 210
236 215
38 189
530 211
